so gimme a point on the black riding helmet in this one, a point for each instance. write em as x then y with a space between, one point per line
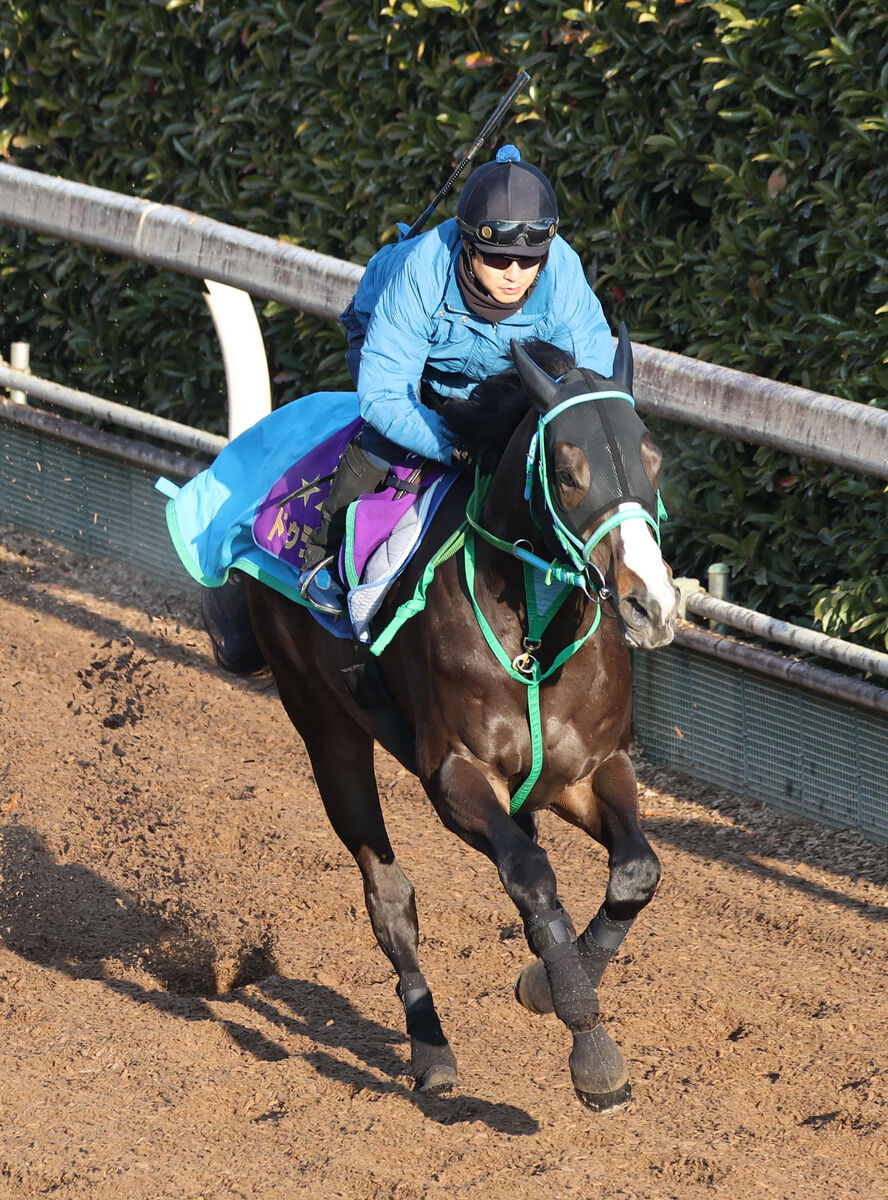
508 205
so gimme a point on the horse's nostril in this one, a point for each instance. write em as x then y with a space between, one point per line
636 609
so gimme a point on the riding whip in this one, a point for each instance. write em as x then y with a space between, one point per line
491 125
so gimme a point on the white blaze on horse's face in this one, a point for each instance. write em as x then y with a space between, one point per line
646 597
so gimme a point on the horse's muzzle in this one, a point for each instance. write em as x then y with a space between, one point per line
647 622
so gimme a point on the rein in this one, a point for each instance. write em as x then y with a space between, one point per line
553 570
578 551
524 668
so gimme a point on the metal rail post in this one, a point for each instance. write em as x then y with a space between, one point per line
19 360
718 579
246 364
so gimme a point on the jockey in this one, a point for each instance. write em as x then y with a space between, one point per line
441 309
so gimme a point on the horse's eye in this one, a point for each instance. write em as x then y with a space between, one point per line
565 478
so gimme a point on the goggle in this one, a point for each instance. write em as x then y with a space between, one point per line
508 233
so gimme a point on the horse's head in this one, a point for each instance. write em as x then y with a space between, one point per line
592 470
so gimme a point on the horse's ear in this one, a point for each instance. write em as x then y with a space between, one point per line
623 360
542 390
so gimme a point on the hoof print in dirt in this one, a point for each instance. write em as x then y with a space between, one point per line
189 965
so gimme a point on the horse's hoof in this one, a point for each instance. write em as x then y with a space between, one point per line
437 1080
607 1102
598 1071
532 989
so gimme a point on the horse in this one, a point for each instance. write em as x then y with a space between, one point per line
508 691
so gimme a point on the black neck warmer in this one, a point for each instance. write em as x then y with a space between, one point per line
480 301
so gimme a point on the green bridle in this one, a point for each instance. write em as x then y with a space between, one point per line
524 668
578 551
578 570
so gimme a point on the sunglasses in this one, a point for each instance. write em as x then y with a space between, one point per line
502 262
507 233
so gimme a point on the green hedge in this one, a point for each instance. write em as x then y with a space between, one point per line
721 169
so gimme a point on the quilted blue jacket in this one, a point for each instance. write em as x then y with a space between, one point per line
415 324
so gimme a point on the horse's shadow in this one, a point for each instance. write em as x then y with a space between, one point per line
68 918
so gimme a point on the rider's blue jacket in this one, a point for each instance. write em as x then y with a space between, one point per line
415 325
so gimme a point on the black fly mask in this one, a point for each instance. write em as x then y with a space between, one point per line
598 417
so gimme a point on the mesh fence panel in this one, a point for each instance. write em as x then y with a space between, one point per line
765 739
86 500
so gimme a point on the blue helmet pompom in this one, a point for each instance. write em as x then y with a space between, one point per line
507 154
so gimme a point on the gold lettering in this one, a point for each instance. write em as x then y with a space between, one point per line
277 529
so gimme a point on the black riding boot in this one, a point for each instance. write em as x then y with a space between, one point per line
357 473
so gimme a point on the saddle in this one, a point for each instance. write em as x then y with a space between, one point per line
254 507
382 531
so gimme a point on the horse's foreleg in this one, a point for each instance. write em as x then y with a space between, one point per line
634 870
468 805
343 769
597 1065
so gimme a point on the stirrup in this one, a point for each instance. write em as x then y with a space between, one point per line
309 576
308 573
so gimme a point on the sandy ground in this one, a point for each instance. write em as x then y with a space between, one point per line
192 1003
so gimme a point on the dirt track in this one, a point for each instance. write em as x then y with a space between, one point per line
192 1003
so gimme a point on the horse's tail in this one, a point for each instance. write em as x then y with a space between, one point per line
226 616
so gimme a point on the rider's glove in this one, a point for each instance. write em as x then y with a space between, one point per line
484 458
462 458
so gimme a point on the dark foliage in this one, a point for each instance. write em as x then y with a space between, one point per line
720 167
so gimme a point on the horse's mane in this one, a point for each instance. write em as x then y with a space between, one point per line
492 412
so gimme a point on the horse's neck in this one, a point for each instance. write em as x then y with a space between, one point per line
506 514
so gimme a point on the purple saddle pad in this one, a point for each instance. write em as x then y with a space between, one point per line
291 508
377 514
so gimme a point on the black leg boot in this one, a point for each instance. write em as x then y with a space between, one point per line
356 474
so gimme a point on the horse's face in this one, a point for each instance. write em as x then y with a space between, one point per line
598 473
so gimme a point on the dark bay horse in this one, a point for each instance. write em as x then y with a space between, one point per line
501 701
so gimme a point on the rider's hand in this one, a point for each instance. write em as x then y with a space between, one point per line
484 458
462 458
